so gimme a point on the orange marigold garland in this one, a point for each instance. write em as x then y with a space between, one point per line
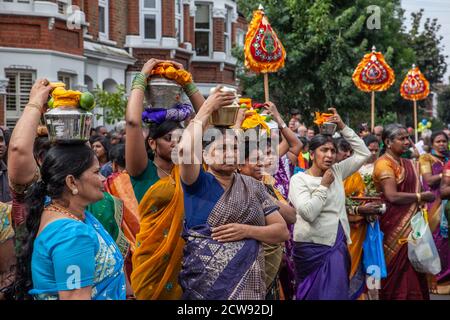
373 73
415 86
168 71
263 50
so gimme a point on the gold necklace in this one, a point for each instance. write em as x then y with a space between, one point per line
55 208
165 172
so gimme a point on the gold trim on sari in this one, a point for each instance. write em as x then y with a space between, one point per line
159 246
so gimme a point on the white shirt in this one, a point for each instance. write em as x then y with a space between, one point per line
320 209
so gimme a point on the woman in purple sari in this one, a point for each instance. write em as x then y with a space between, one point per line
322 230
431 169
227 217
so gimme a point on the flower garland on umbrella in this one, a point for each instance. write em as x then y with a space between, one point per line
263 50
415 87
373 74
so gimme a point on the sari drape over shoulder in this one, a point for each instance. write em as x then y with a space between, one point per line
231 270
402 282
433 165
159 245
119 185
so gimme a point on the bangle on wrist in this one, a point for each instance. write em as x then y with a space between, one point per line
190 89
357 211
419 197
282 125
139 82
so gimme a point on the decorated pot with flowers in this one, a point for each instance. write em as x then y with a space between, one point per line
69 119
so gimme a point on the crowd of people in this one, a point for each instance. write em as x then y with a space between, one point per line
119 217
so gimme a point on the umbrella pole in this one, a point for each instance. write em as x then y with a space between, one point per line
266 87
372 110
415 121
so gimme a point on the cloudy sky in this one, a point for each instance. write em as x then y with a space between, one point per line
433 9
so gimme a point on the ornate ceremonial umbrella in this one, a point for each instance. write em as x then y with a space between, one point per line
264 52
415 87
373 74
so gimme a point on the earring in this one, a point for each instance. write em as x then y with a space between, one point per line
75 192
389 146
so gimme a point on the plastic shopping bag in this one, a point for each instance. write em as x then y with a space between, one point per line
422 251
373 252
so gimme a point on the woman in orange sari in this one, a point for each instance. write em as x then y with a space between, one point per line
398 180
431 168
156 183
354 187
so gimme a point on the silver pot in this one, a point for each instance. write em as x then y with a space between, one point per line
164 93
328 128
68 125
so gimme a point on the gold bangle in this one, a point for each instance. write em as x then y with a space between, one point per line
34 105
419 197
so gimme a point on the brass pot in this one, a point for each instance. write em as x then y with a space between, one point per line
164 93
224 117
328 128
68 125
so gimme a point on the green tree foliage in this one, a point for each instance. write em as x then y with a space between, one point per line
114 104
444 104
324 42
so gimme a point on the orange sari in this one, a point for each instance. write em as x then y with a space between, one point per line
354 186
159 246
119 185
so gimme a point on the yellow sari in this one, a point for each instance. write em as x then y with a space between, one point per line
354 186
159 246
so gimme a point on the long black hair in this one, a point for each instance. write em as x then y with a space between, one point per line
60 161
390 132
104 142
319 140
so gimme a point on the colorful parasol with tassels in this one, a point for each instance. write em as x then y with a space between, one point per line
415 87
373 74
264 52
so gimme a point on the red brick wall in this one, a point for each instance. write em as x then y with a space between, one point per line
143 55
192 30
168 18
118 21
33 32
91 12
187 24
218 37
133 17
209 72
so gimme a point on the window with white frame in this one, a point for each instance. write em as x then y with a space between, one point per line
240 38
103 19
203 26
179 20
18 90
227 30
150 19
66 78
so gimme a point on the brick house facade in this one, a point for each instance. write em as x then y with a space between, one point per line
86 43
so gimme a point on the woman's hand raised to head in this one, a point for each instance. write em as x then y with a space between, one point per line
150 65
40 92
336 118
273 111
219 99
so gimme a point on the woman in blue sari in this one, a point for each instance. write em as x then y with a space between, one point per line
227 217
68 253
